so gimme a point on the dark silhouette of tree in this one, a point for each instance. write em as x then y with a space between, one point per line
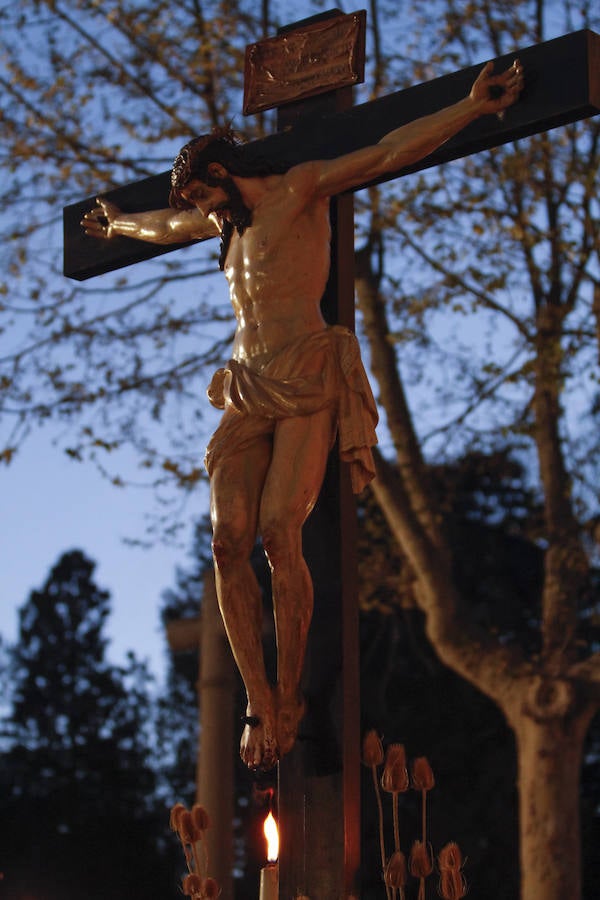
487 333
491 519
79 816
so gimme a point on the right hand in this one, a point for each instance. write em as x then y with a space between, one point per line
98 222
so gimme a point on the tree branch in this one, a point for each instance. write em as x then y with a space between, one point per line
587 671
385 370
468 650
566 566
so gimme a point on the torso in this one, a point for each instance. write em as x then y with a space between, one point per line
277 272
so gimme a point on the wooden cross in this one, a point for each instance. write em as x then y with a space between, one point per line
562 86
318 781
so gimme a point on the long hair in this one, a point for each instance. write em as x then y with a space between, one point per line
223 146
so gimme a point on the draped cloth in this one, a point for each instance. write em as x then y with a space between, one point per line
289 386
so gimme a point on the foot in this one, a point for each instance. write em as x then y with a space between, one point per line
258 746
290 712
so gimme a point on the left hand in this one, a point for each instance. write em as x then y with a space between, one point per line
494 93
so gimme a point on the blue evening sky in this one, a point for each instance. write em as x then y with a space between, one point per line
51 505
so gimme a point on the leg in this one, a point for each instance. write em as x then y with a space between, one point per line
293 482
236 488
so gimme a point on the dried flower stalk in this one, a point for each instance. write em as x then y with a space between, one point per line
395 781
423 780
452 883
420 864
372 756
395 874
190 827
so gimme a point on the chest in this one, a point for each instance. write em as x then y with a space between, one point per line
276 239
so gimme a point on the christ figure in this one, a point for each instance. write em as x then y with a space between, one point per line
292 384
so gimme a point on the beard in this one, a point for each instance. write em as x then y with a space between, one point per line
233 213
239 214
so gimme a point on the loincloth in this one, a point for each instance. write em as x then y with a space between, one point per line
287 387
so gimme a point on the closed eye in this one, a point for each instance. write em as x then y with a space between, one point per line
195 193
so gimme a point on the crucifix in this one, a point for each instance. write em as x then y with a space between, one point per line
295 380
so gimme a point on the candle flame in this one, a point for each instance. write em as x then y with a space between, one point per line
272 836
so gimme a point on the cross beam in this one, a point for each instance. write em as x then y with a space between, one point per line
562 85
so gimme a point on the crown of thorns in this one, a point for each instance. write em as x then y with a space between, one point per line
221 144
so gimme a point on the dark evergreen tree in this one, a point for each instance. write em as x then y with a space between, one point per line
79 815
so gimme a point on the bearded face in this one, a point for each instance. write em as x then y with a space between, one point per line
214 193
233 208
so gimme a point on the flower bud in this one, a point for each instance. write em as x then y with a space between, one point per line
450 856
211 889
192 884
420 862
452 883
176 812
395 870
422 774
395 774
372 749
188 832
200 817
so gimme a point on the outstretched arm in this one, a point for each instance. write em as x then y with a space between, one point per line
410 143
160 226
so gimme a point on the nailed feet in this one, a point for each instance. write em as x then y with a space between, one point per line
258 746
270 730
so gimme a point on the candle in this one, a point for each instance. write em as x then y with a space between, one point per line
269 874
269 882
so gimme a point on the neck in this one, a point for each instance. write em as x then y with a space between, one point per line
226 234
249 193
252 190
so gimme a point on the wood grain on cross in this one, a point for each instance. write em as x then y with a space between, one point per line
319 798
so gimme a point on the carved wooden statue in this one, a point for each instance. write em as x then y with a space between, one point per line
292 383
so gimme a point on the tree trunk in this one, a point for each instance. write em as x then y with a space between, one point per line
549 760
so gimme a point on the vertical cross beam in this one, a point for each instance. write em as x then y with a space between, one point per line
319 793
319 789
319 799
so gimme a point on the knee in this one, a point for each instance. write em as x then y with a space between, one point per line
282 541
229 550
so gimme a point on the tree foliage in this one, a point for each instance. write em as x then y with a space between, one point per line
94 94
99 93
508 242
79 810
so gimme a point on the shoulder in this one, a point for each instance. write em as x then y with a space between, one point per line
324 178
301 181
304 177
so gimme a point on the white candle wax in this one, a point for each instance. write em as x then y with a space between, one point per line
269 882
